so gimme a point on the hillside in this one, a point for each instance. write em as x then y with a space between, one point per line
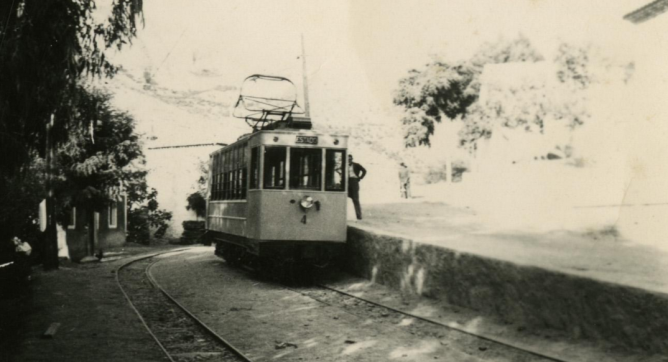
608 188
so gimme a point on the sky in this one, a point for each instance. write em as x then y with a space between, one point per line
357 50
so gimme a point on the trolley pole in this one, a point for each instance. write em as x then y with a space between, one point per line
50 234
307 111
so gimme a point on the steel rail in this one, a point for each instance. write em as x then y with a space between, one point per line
191 315
431 321
153 282
127 297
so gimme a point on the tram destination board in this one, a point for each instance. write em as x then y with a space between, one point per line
307 140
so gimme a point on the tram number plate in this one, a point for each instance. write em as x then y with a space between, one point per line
307 140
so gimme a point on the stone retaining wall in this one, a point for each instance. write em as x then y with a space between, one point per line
523 295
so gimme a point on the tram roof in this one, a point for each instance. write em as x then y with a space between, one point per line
304 132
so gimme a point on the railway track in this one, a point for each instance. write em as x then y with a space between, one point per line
180 334
183 337
505 344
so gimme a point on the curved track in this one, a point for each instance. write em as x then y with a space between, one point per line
184 337
178 333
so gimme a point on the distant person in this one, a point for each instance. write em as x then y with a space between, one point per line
405 181
355 174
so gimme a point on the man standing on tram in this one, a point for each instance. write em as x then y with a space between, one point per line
356 173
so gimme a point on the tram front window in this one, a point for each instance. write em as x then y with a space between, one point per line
305 168
274 167
335 171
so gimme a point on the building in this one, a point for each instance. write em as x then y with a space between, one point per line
110 230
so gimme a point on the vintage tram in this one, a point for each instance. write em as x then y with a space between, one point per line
279 192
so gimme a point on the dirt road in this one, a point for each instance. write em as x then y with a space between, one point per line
270 321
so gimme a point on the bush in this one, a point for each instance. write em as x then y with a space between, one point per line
196 203
141 220
138 229
438 173
193 225
435 174
193 232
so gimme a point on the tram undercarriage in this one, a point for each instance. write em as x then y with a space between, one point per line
277 257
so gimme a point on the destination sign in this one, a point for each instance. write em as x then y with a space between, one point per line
307 140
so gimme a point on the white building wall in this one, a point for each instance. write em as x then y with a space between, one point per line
174 173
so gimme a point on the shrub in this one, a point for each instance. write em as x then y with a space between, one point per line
438 173
196 203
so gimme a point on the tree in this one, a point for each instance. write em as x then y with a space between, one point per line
417 126
144 214
143 211
449 90
573 65
99 163
533 103
95 163
516 50
439 89
46 47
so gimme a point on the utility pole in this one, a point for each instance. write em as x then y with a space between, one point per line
307 111
50 234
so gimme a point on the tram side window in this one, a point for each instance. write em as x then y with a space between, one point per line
219 180
229 174
229 191
223 174
212 176
335 172
242 183
274 167
214 188
254 168
215 168
305 168
241 172
236 177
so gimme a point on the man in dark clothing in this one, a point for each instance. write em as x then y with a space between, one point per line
355 174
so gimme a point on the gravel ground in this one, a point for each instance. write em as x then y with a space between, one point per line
179 334
96 322
266 320
541 340
269 321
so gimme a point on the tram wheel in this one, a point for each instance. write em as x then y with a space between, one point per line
231 254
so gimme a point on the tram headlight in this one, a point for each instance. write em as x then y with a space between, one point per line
307 202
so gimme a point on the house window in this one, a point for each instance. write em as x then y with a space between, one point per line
72 224
113 216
